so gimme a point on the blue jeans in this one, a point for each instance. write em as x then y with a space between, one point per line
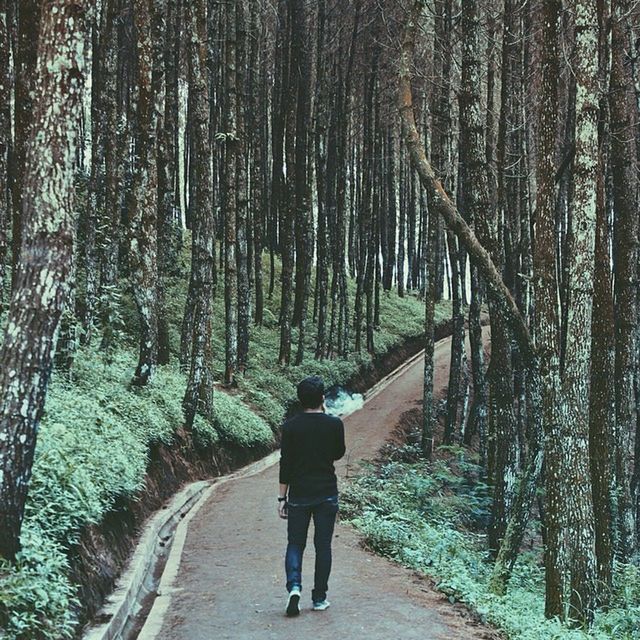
299 512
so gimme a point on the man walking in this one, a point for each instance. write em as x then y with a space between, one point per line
311 442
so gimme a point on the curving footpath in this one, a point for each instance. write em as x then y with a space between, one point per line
227 581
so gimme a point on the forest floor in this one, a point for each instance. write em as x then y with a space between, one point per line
230 583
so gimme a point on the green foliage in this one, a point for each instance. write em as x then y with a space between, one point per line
237 424
420 515
205 435
36 598
92 449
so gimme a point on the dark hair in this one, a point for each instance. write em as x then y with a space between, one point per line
311 392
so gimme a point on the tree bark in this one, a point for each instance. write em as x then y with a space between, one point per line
42 273
199 391
573 436
302 71
230 195
602 405
5 143
242 212
24 54
144 211
624 173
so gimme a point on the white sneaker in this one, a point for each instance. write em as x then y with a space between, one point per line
293 603
321 606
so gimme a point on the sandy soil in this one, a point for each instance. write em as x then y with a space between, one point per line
231 578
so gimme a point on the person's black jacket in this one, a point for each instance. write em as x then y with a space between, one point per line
311 442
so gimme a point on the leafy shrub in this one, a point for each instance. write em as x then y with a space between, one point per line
419 514
238 424
36 598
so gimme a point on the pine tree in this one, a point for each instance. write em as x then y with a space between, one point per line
42 272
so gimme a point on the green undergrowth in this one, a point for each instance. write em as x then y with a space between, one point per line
93 449
430 516
266 386
97 432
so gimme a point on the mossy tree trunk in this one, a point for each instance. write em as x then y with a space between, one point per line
27 17
242 211
42 273
230 194
199 391
143 221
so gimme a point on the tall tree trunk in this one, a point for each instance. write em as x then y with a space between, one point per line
89 217
402 231
547 319
42 273
242 247
165 208
624 173
365 218
199 391
5 142
602 405
258 119
573 438
430 231
231 194
390 219
321 116
110 223
502 451
144 211
24 63
302 71
476 199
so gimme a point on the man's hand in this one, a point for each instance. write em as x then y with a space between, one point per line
282 509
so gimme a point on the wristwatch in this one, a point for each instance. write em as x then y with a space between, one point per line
281 499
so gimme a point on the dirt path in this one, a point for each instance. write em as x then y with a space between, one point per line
230 583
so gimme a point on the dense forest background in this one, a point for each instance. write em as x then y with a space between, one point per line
320 170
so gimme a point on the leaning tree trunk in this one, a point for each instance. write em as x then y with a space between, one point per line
442 202
144 211
443 205
42 273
